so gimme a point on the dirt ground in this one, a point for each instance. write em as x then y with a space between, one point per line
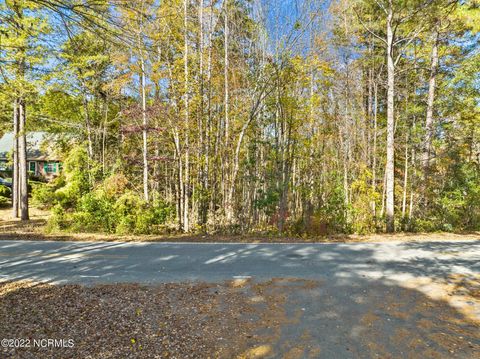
125 320
236 319
186 320
12 229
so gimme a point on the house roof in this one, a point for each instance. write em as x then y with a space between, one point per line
34 143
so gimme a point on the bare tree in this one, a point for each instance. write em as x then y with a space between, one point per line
390 166
429 128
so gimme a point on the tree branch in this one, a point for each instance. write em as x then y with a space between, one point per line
368 30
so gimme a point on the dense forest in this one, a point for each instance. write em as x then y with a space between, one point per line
296 117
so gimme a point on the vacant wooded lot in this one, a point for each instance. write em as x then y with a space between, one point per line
290 118
240 178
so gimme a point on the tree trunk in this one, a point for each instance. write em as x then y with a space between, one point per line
405 171
229 178
427 147
227 94
203 167
412 161
374 150
88 126
22 162
384 191
104 134
236 164
15 177
144 132
390 166
179 187
209 116
405 179
186 224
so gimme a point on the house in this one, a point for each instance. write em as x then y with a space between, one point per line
41 161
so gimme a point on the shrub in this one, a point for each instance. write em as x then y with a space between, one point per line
126 211
95 212
81 201
363 220
3 201
115 185
79 173
98 212
57 220
458 203
162 212
154 217
82 222
5 192
134 216
43 195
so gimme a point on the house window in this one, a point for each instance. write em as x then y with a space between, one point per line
32 166
50 167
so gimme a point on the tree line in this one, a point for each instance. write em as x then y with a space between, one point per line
302 117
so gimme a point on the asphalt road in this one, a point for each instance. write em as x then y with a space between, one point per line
365 291
107 262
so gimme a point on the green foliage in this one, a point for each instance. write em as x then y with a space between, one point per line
459 203
43 195
79 174
330 218
298 141
268 201
455 206
363 220
109 206
133 215
128 208
129 214
3 202
57 219
5 192
94 212
334 211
